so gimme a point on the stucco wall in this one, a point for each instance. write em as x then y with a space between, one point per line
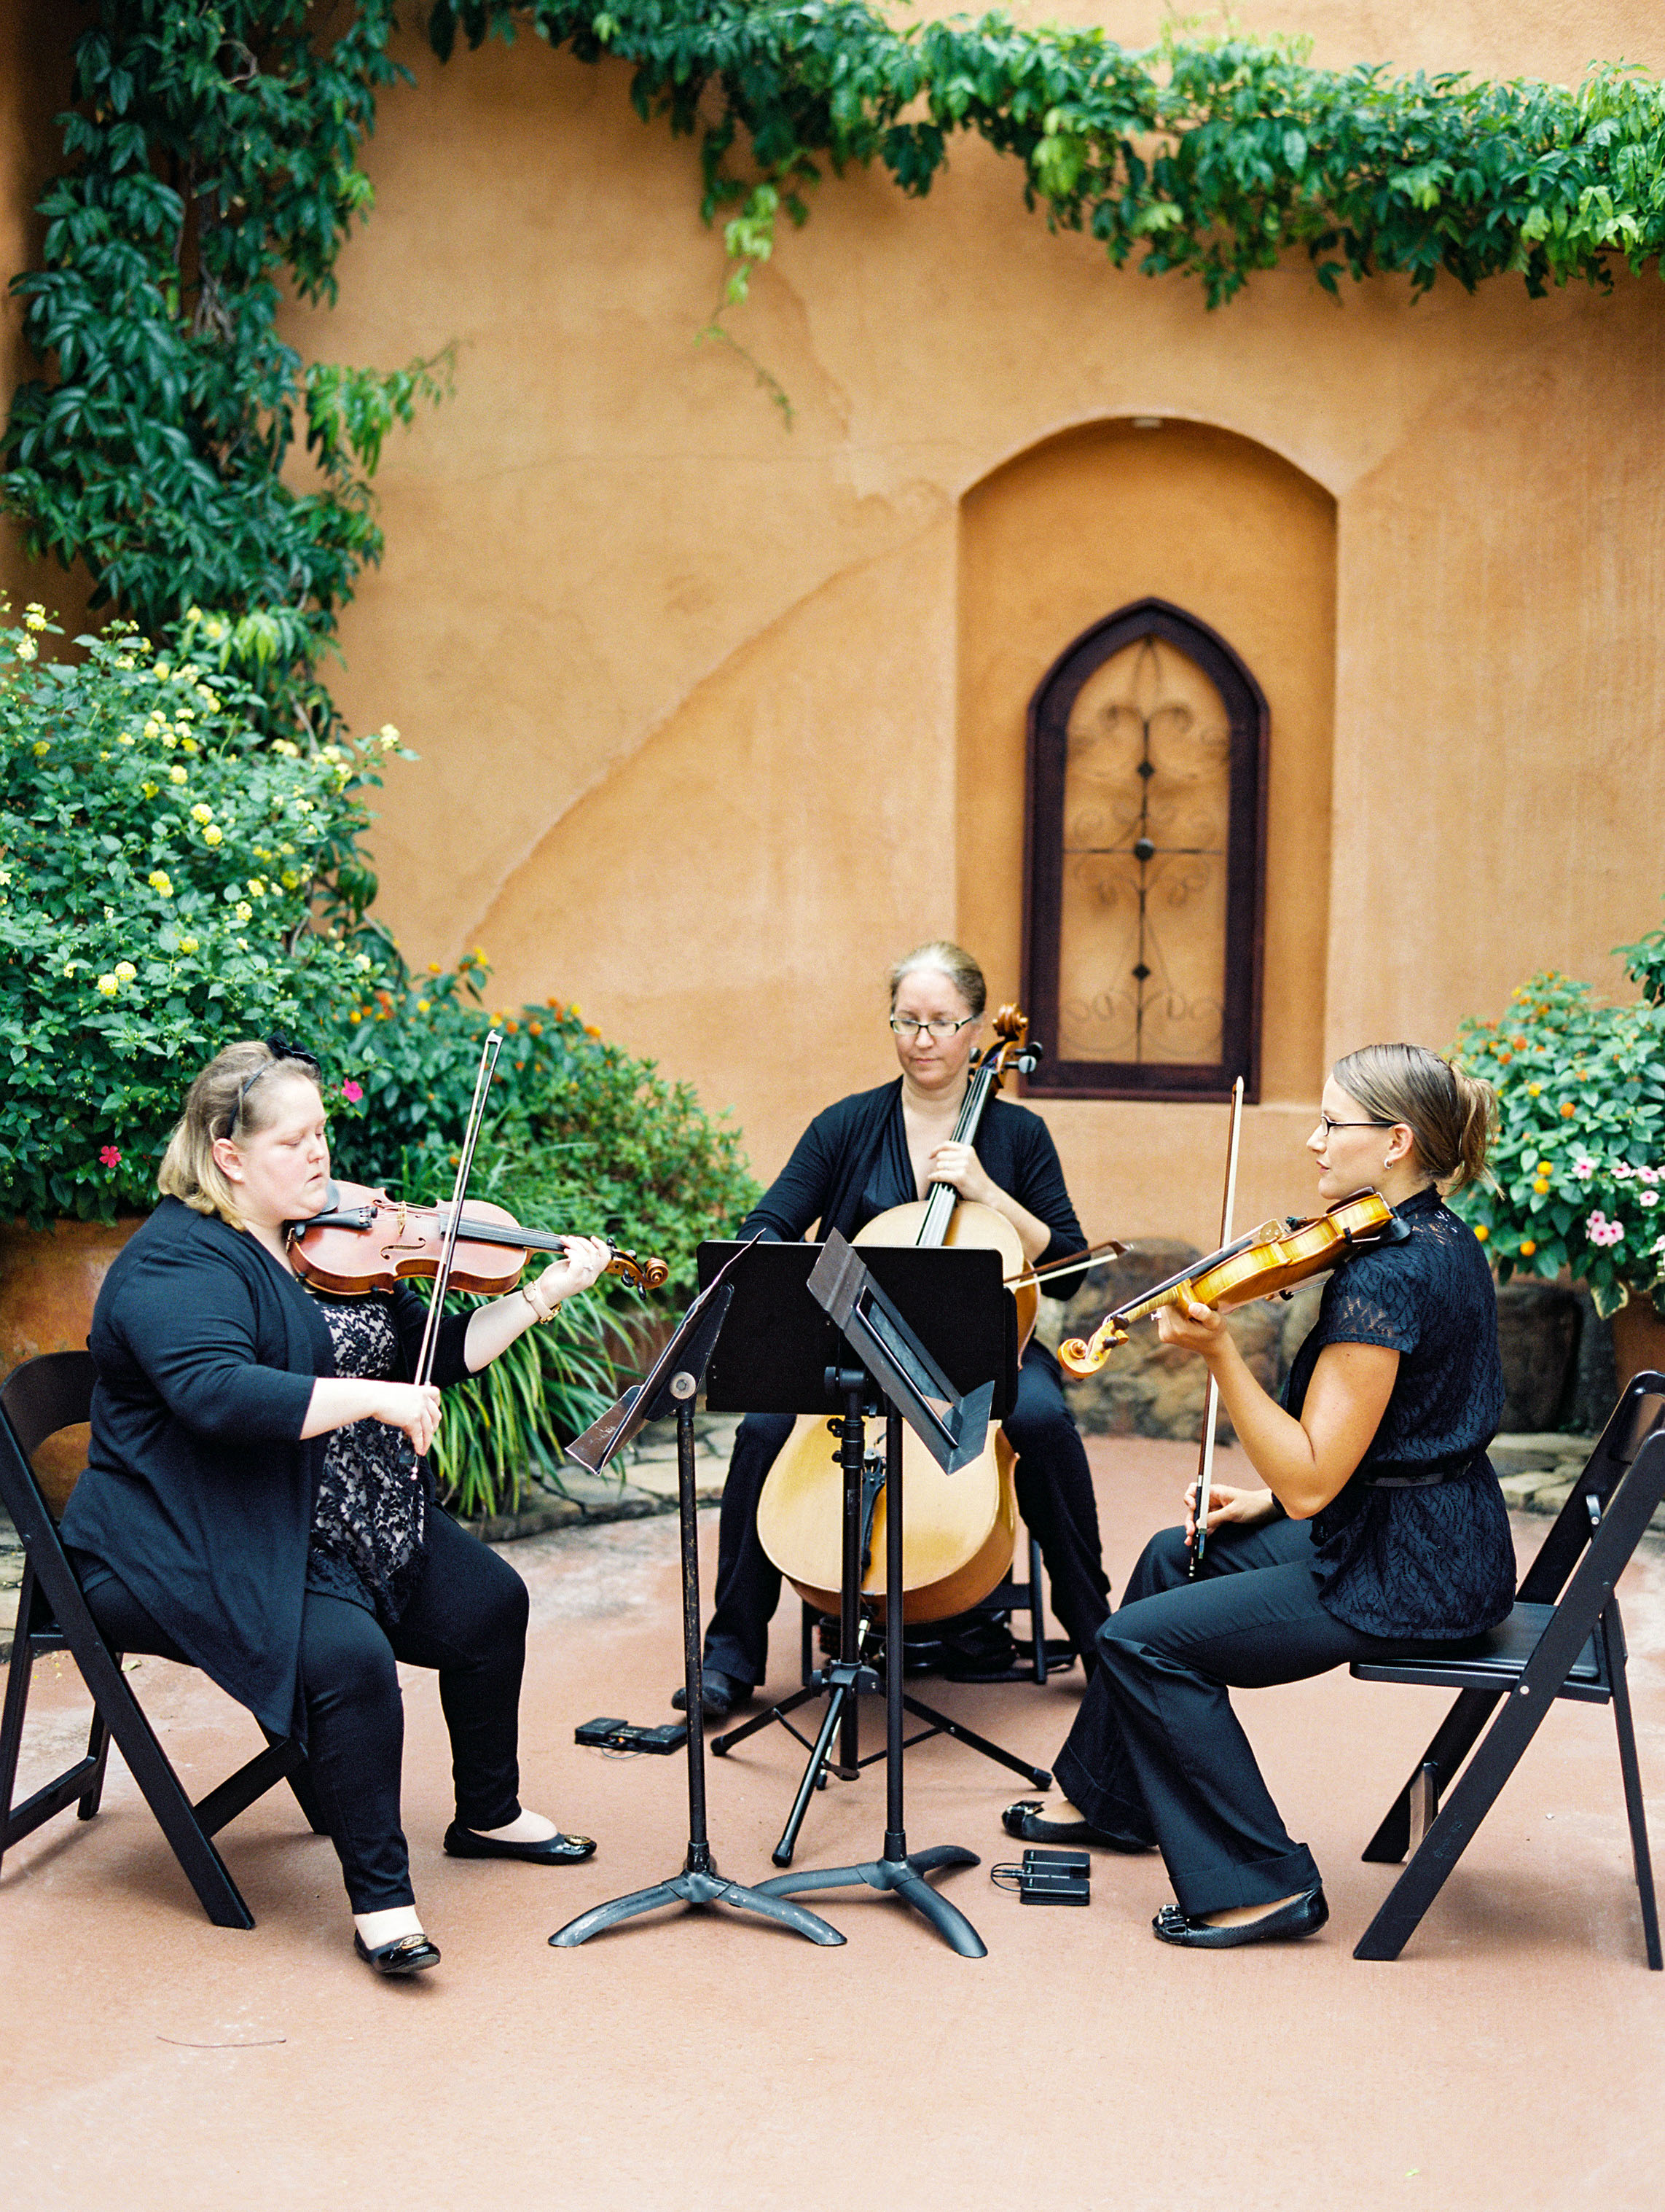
691 689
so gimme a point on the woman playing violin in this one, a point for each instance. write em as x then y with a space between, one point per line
1380 1520
867 1153
256 1503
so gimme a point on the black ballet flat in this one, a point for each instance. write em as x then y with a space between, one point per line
1302 1915
461 1843
1026 1820
406 1955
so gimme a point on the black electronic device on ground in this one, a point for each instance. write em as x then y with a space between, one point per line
608 1735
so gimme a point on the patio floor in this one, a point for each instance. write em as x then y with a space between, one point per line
704 2063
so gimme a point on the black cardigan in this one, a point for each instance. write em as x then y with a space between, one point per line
198 1490
827 1178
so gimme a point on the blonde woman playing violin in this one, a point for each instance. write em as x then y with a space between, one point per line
1380 1519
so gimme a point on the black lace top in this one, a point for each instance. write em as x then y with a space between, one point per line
369 1522
1418 1543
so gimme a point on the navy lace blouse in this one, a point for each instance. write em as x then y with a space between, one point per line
1417 1544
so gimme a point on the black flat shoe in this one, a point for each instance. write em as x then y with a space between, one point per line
1026 1820
406 1955
718 1694
1302 1915
461 1843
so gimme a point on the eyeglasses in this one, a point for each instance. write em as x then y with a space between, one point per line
905 1026
1329 1127
281 1050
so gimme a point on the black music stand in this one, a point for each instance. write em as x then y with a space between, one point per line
671 1386
914 1390
781 1353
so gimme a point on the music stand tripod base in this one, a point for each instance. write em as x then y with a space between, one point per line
908 1381
675 1381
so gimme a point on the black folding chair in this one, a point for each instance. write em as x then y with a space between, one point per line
1563 1639
41 1397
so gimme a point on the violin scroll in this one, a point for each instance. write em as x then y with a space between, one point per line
641 1274
1084 1356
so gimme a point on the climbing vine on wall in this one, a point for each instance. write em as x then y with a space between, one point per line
214 158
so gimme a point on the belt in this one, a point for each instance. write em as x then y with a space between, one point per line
1391 1476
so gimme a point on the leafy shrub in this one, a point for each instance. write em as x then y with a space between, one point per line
1579 1165
169 884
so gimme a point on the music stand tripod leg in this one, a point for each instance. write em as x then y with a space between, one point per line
699 1883
897 1873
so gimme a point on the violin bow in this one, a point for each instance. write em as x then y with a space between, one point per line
1211 1403
431 1335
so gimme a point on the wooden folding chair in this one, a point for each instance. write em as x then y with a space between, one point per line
41 1397
1564 1639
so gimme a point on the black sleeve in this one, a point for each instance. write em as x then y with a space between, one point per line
799 1193
188 1322
1039 1185
410 1318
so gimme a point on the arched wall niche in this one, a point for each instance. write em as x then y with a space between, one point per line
1094 519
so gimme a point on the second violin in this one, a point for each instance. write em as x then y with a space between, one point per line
1269 1262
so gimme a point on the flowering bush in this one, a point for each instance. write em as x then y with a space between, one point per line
1579 1166
168 882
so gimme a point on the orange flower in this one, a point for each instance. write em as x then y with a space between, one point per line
534 1029
1481 1231
590 1030
1567 1109
1528 1248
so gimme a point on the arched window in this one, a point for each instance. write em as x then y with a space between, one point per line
1143 893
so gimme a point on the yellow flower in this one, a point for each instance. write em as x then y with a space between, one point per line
1481 1231
284 750
73 966
243 910
1528 1248
356 1016
286 850
389 736
107 987
161 672
208 699
170 738
177 775
201 813
26 649
257 888
188 945
1541 1186
34 616
125 971
212 835
149 789
125 739
1535 1090
160 881
184 714
42 747
291 881
187 745
422 1006
152 729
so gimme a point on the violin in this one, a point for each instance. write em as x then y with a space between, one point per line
1269 1262
365 1241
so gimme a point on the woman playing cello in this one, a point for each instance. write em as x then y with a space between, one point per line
1381 1520
861 1157
256 1501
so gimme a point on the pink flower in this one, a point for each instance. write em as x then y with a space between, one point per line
1647 1175
351 1092
1584 1169
109 1157
1622 1171
1601 1230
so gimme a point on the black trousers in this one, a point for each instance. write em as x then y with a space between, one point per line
467 1620
1157 1751
1055 1495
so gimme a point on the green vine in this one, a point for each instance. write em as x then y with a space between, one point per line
214 158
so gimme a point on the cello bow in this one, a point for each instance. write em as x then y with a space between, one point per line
1212 1402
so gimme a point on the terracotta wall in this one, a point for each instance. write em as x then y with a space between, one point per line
704 740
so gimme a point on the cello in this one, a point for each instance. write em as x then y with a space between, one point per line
960 1528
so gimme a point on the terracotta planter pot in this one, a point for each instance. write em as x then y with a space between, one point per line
1639 1338
49 1281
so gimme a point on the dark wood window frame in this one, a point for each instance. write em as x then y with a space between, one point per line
1043 863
